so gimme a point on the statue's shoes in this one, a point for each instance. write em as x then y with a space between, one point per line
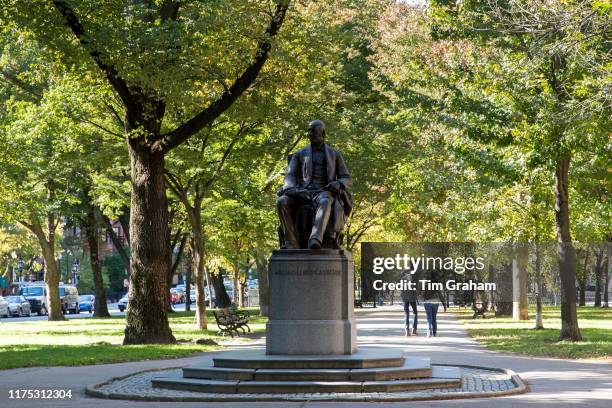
314 244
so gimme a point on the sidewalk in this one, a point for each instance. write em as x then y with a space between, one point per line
552 382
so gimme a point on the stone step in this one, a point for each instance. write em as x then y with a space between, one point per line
268 387
274 387
218 373
413 367
258 359
410 385
441 377
192 384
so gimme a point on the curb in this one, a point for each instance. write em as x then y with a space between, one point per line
521 387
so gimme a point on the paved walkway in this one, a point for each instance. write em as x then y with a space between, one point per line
552 382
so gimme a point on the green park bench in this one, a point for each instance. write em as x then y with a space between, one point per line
230 320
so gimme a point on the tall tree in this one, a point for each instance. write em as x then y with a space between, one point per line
476 95
150 62
193 171
35 181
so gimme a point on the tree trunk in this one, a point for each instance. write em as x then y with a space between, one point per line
188 264
52 274
147 312
598 274
608 271
235 286
197 244
262 283
169 278
606 295
566 254
606 288
211 288
241 294
124 220
91 230
491 293
539 321
223 299
52 279
519 282
46 240
582 291
175 263
582 280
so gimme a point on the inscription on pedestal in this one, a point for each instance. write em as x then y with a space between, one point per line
305 271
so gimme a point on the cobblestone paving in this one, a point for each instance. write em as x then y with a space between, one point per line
474 383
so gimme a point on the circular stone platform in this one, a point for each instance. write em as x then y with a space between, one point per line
476 382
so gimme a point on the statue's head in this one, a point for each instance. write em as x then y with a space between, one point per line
316 132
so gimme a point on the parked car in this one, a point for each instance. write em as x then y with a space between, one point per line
37 297
182 293
87 302
4 308
36 294
177 296
123 302
192 296
69 296
18 306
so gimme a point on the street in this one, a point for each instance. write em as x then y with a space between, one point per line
112 309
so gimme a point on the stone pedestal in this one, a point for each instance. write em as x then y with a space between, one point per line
311 303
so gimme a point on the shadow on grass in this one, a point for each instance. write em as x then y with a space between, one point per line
518 336
596 343
33 355
97 341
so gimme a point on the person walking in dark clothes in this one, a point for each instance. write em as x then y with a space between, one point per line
409 297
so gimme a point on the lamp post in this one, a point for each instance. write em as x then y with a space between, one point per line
20 265
14 256
76 267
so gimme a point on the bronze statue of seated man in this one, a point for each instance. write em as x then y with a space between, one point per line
316 178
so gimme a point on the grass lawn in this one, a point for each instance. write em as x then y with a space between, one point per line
507 335
96 341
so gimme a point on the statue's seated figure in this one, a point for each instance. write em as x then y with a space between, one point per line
315 199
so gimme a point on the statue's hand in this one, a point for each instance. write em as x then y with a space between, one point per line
302 193
295 192
334 186
290 192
